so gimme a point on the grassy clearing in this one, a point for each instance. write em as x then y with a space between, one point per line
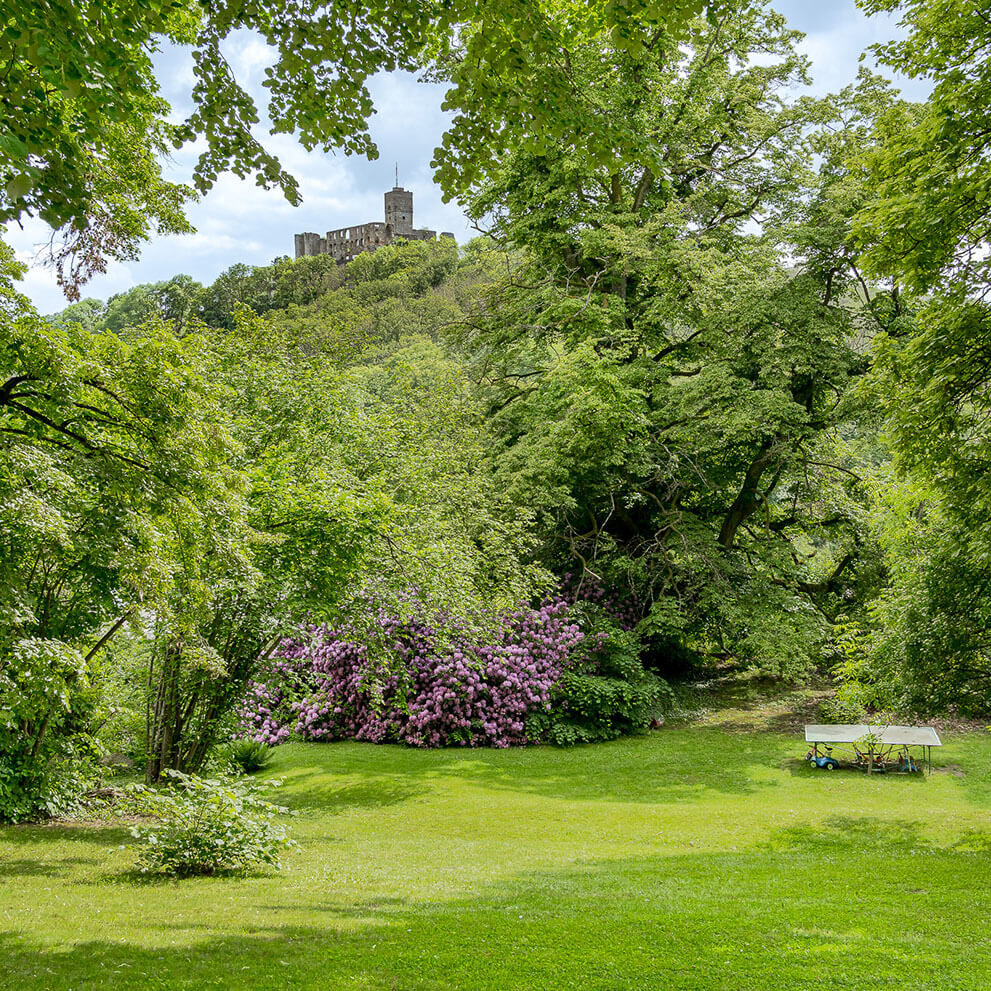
695 857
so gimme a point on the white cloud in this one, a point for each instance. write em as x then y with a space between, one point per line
836 35
248 56
202 243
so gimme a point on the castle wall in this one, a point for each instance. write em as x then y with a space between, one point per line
347 242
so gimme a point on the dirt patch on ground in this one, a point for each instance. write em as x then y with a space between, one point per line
954 769
751 704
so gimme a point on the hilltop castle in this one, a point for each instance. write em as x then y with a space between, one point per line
346 242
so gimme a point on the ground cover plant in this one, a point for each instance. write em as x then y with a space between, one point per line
707 855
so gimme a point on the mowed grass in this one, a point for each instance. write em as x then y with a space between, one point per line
694 858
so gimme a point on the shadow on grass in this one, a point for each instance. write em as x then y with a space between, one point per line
64 832
800 768
158 879
304 794
974 841
747 705
23 867
836 908
39 840
665 766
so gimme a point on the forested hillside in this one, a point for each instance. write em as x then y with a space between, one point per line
709 396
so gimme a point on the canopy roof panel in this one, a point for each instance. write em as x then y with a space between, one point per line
911 736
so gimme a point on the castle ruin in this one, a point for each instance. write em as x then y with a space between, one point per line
347 242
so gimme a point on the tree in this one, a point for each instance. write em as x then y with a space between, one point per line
176 302
88 313
307 524
925 230
84 126
924 646
107 451
667 392
268 287
926 227
928 219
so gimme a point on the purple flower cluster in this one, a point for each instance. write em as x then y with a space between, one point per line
445 686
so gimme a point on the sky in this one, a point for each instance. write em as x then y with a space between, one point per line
239 222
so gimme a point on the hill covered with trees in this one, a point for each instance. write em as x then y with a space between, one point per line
694 404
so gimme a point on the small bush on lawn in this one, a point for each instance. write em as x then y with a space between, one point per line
207 826
247 756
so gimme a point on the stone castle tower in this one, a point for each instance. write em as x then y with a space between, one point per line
346 242
399 211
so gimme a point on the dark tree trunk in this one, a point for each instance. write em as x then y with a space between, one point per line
749 496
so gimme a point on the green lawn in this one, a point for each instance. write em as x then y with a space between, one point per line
692 858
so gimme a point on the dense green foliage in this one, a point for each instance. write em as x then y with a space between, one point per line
606 692
113 457
721 356
924 230
267 476
668 391
353 485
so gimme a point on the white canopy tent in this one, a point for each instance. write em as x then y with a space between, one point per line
873 745
894 736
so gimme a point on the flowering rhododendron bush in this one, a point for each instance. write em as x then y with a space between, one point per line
443 685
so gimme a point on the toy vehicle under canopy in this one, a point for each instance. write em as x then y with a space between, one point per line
871 748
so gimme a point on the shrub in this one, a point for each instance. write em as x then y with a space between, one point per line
47 759
848 705
445 686
248 756
606 692
207 826
539 678
49 783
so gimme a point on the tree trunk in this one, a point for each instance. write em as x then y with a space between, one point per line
164 727
748 499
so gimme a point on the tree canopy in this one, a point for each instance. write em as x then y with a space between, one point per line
667 388
710 395
929 216
85 126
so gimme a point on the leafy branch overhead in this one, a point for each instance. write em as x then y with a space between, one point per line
84 127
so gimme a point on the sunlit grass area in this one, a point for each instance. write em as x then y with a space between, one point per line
695 857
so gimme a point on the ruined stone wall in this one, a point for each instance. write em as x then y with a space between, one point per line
347 242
